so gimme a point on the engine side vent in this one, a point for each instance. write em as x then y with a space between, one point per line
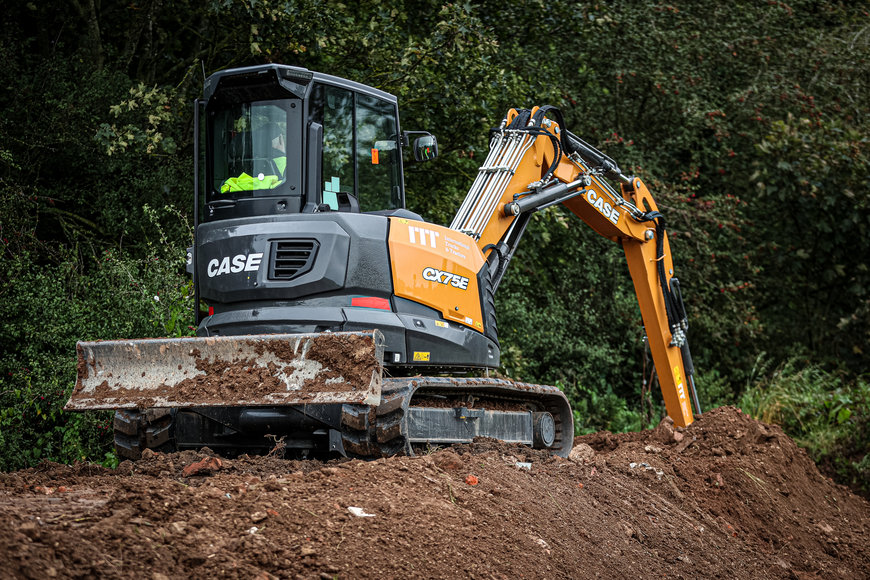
291 258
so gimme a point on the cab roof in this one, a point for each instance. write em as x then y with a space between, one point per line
293 79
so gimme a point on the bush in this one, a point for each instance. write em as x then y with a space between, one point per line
51 299
822 412
596 410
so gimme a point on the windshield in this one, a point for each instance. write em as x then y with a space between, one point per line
250 149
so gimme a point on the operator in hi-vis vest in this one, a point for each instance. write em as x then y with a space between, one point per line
266 143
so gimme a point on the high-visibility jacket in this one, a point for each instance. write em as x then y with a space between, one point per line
245 182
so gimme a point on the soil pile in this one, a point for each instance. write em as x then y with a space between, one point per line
726 497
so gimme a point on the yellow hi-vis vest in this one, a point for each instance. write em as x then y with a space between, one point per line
245 182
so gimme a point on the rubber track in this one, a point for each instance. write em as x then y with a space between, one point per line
367 432
136 431
386 436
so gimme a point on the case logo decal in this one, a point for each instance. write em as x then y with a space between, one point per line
603 207
239 262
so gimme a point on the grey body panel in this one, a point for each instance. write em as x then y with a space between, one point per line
351 254
351 259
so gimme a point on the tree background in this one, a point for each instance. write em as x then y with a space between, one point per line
748 121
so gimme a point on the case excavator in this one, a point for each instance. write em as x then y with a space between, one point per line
340 322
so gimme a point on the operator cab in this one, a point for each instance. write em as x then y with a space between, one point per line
285 139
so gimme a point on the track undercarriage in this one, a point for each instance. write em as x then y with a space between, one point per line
414 413
307 395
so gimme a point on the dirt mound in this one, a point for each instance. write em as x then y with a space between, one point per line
726 497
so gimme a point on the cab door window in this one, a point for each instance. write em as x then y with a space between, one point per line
377 153
336 115
360 163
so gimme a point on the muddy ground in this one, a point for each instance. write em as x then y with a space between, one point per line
728 497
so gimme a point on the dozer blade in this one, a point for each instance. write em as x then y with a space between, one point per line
254 370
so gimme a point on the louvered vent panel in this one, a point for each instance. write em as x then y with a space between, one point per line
291 258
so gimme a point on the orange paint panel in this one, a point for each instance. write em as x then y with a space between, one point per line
438 267
641 258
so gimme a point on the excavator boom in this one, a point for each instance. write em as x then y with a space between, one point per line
534 163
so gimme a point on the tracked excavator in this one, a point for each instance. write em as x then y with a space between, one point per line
340 322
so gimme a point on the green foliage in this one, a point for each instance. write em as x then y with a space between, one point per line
814 175
718 390
822 412
683 105
719 273
34 426
547 316
51 297
154 104
603 410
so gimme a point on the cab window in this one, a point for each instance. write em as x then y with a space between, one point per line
377 154
249 149
335 108
360 162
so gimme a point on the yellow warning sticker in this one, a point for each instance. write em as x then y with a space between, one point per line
421 356
441 323
681 391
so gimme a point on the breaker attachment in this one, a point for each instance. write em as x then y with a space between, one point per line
230 371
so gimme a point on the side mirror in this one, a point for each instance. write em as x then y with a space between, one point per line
425 148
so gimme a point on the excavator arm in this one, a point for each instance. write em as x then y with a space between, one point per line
534 163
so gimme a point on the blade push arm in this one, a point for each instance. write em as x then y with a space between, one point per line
533 164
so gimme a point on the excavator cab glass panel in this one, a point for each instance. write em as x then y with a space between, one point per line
249 147
360 162
335 108
377 153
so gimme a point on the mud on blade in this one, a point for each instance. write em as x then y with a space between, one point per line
258 370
